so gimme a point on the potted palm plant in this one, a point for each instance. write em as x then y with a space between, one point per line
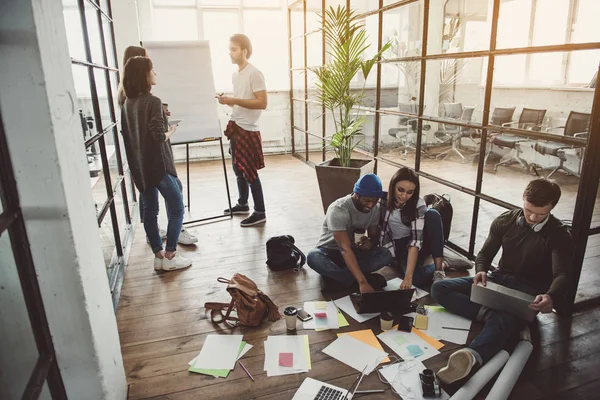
346 41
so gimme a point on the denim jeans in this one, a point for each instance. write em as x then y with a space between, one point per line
433 244
171 192
330 263
243 184
141 202
454 295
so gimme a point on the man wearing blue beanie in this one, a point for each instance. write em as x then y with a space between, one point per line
344 255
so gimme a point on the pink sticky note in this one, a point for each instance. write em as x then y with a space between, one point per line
286 359
321 315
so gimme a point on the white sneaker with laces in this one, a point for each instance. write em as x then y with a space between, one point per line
177 262
185 237
439 276
158 264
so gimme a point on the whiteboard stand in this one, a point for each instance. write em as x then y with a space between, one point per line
187 166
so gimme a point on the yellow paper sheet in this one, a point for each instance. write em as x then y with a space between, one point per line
307 352
320 305
367 336
436 344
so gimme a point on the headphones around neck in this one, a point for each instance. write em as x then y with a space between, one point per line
535 227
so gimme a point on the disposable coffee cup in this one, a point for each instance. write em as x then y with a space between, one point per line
290 314
358 234
387 321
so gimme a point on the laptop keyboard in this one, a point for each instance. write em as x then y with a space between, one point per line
327 393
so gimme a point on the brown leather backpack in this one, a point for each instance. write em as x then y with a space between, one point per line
250 304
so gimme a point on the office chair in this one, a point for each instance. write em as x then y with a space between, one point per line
456 111
500 115
529 119
406 125
578 125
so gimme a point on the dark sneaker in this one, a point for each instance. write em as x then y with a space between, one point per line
237 209
254 219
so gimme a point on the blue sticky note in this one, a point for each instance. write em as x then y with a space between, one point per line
415 350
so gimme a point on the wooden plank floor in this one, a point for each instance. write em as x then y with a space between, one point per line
162 324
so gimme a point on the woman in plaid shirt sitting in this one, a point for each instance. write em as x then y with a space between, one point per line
414 231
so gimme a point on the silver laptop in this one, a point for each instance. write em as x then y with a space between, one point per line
502 298
312 389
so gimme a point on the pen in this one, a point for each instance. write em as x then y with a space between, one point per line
370 391
245 370
456 329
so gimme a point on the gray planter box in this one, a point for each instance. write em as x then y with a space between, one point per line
336 181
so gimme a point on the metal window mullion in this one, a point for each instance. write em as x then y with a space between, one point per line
377 85
422 85
305 85
484 122
99 9
289 12
92 64
97 136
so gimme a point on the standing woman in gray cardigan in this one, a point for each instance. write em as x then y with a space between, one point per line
146 137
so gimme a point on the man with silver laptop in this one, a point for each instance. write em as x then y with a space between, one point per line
536 259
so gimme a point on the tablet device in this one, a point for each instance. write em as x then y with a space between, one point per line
174 122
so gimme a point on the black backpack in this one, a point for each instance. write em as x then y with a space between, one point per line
441 203
282 254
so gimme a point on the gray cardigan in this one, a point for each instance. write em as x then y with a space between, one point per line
144 128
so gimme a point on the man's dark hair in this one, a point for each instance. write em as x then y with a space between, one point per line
135 76
541 192
243 41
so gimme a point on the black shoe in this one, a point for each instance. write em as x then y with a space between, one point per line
254 219
237 209
376 281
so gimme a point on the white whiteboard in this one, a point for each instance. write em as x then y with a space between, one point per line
184 80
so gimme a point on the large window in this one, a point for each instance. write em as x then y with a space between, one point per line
263 21
476 116
94 65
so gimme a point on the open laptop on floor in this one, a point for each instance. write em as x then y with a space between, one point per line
374 302
312 389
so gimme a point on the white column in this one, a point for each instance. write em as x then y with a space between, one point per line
38 105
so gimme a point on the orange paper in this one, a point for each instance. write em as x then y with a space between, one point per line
366 336
436 344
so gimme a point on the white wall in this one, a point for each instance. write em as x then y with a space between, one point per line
37 101
126 26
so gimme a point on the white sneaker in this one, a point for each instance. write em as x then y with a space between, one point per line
177 262
185 237
158 264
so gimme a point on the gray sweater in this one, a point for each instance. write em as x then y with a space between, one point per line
144 130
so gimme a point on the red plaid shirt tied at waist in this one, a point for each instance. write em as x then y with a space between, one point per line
246 150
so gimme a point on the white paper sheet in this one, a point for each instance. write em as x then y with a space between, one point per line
355 353
345 304
404 378
511 371
246 349
394 284
470 389
331 322
285 344
439 319
400 341
219 352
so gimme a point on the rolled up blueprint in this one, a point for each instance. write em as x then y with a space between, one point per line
509 375
481 377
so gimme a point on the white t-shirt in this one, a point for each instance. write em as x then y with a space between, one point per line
245 83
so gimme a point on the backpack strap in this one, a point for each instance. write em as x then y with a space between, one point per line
216 313
302 259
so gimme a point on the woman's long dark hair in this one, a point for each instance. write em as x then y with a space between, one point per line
409 210
130 52
135 76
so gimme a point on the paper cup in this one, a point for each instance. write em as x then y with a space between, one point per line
387 321
290 314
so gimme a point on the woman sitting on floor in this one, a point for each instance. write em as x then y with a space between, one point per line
414 231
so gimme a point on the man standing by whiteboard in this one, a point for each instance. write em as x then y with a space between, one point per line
248 101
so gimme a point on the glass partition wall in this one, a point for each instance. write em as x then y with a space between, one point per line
478 97
91 43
